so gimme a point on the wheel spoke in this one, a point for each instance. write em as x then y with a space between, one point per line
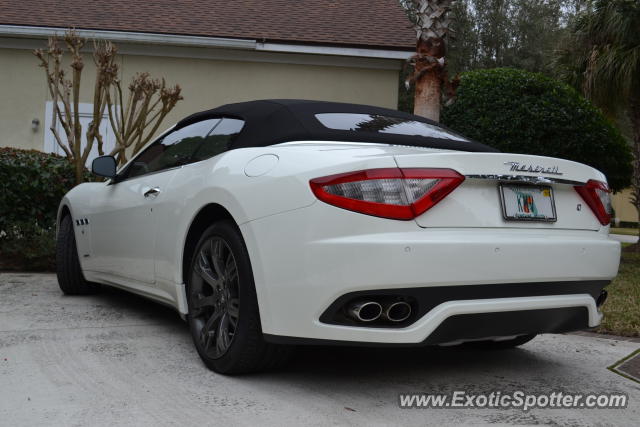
222 338
206 338
216 258
203 269
220 347
208 331
209 326
231 270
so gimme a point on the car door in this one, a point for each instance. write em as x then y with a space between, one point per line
123 233
188 180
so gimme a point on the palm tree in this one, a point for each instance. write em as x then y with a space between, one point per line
601 57
432 24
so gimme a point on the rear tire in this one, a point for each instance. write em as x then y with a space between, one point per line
70 277
224 318
502 345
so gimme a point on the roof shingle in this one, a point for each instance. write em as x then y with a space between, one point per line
370 23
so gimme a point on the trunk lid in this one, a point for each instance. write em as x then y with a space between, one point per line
478 202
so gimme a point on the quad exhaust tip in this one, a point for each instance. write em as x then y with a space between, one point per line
398 311
366 311
369 311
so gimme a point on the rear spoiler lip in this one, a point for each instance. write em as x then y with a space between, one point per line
498 165
528 179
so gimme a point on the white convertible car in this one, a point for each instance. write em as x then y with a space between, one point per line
279 222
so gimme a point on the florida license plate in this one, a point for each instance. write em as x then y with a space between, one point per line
527 202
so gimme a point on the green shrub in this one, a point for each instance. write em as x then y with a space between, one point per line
32 184
27 246
517 111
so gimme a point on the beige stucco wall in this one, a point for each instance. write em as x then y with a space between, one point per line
23 93
206 83
624 210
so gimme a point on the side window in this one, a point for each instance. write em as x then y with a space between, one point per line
174 149
219 139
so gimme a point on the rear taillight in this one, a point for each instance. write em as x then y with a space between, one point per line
598 197
389 193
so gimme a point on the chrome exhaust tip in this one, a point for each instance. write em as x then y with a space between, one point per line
366 311
398 311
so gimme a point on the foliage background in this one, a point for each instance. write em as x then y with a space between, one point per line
504 33
32 184
518 111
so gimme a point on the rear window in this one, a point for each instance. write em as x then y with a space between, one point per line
384 124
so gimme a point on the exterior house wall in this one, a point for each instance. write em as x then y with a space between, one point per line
24 93
206 83
624 210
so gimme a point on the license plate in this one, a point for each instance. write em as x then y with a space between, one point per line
527 202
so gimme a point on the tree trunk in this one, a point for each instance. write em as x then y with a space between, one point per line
429 72
427 98
634 116
79 171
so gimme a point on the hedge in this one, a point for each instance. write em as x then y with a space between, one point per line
32 184
518 111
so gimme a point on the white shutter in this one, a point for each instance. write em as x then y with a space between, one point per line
86 114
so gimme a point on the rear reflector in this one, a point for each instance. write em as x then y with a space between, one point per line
389 193
598 197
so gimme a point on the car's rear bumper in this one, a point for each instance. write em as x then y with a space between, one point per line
307 259
458 328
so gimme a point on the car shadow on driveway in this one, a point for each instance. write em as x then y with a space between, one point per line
406 364
550 362
136 306
327 359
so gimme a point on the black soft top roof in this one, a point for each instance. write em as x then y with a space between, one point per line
274 121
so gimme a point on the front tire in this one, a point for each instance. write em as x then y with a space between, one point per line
70 277
224 319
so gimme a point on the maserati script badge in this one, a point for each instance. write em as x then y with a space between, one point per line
523 167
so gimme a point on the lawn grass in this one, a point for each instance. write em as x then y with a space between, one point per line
625 231
622 309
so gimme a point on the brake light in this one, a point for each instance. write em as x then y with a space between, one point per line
598 197
389 193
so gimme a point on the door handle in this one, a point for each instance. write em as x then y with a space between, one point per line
152 192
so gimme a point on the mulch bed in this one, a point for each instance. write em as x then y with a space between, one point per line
18 263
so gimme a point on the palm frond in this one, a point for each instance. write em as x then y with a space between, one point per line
601 56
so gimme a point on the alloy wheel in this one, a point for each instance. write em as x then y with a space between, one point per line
214 299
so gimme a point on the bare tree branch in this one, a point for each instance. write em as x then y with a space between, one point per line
148 103
133 121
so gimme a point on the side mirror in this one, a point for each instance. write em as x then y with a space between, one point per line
104 166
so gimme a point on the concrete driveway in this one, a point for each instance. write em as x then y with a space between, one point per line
117 359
